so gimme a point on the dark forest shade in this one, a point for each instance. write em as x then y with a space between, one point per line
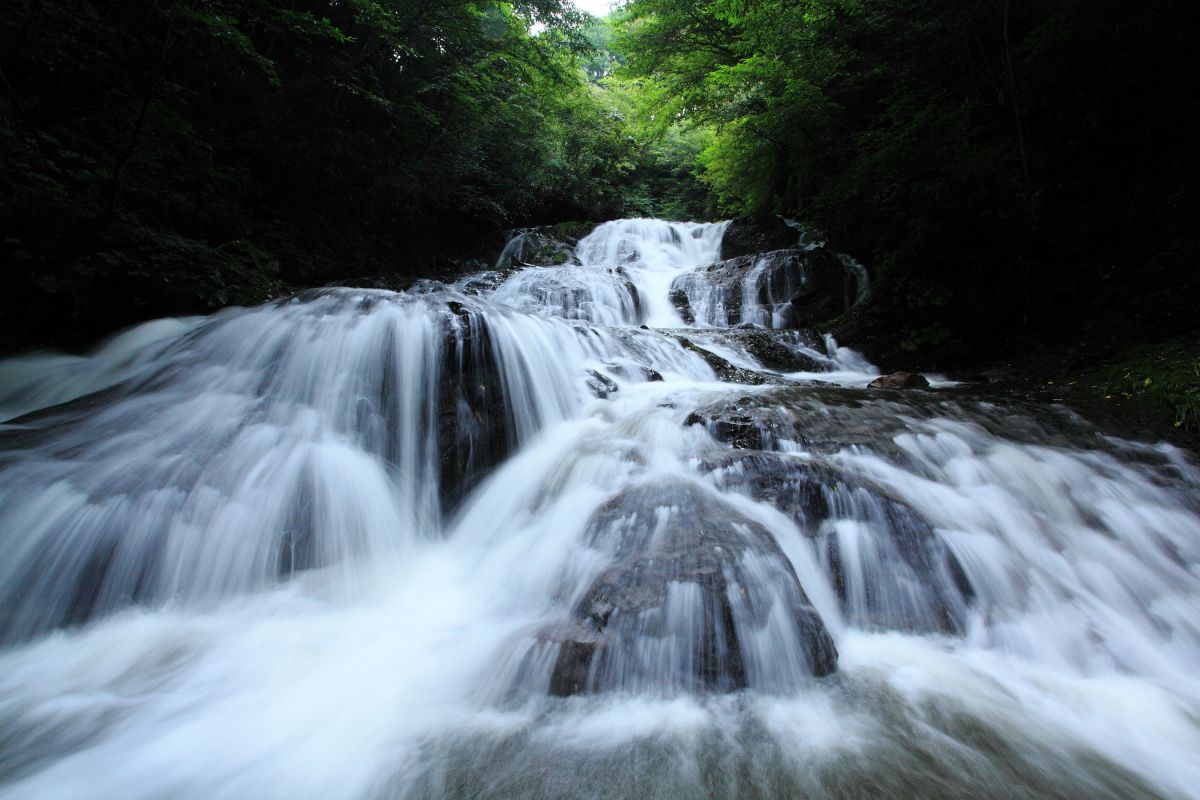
1006 166
180 156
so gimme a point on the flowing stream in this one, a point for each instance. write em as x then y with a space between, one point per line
531 535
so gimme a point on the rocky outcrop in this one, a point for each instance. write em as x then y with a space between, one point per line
475 431
893 572
756 234
698 598
725 370
806 417
789 288
546 246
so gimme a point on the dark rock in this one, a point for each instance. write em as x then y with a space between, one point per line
475 429
741 431
906 579
822 290
794 486
679 299
756 234
742 423
777 350
600 384
774 354
827 419
793 288
997 375
680 604
539 247
623 371
899 380
725 371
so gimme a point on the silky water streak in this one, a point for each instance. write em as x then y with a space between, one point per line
498 539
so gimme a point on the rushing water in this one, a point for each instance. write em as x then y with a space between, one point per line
515 537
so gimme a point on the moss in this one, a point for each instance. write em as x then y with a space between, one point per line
1161 378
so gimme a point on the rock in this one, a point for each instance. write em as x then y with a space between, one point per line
776 350
679 298
824 289
475 429
600 384
743 423
725 371
646 373
741 431
791 288
539 247
774 354
906 579
822 420
899 380
688 602
997 375
756 234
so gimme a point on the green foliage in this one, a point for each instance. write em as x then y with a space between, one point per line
140 140
983 147
1166 375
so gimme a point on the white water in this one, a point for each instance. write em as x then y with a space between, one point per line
326 548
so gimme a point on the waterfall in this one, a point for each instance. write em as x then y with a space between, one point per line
550 531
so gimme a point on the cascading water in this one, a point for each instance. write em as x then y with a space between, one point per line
499 539
772 289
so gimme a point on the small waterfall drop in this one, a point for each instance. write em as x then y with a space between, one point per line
536 533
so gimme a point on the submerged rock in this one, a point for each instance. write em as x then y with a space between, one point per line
600 384
726 371
778 350
698 598
890 569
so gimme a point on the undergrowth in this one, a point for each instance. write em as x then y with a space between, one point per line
1157 375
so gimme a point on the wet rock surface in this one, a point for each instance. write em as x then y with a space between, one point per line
756 234
600 384
788 288
910 581
677 550
778 350
474 424
828 419
900 380
540 247
725 370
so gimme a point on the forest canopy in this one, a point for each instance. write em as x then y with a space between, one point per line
198 152
995 162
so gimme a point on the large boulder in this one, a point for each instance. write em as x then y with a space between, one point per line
777 350
821 420
890 569
756 233
789 288
539 247
725 370
475 428
698 597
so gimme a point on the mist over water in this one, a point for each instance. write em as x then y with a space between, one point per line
516 537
